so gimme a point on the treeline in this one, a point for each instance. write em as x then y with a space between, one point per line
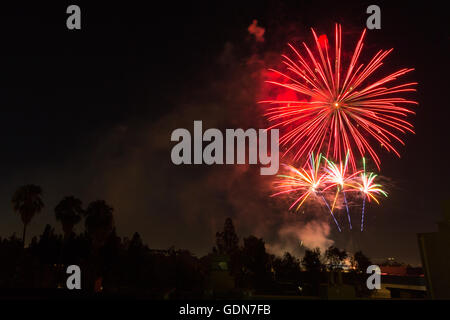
114 265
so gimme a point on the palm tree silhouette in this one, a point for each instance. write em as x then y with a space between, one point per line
99 222
27 202
69 211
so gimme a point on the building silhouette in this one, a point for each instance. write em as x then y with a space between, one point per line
435 254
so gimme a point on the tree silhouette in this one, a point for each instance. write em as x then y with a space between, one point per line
335 257
256 262
27 202
311 260
48 246
362 262
287 267
68 212
227 241
99 222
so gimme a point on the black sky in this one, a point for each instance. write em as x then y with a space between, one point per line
90 112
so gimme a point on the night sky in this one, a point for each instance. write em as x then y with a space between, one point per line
89 113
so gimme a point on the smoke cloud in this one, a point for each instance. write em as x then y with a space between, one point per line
256 31
186 205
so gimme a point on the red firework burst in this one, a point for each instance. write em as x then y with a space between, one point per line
344 109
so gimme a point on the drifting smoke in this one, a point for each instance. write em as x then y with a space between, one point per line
182 201
256 31
311 235
184 206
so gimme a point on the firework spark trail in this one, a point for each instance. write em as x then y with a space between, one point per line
368 188
331 211
362 214
317 179
342 112
304 179
348 213
335 199
308 180
336 175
